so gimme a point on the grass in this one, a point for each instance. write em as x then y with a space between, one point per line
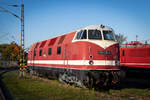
31 88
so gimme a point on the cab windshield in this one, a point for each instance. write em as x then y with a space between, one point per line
94 34
108 35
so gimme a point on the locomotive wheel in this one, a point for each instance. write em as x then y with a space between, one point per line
107 80
115 78
90 82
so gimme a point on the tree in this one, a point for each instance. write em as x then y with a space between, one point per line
121 38
2 49
10 52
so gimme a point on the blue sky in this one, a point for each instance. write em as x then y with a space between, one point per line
48 18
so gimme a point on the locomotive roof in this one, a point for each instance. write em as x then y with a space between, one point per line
92 27
98 27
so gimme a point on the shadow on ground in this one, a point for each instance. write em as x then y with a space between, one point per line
136 80
4 88
131 81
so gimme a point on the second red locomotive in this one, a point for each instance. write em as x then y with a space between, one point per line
87 57
135 57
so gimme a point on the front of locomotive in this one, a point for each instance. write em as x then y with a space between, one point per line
103 48
101 53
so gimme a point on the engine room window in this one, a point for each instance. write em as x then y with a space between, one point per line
94 34
108 35
123 53
40 53
34 53
49 51
58 50
82 34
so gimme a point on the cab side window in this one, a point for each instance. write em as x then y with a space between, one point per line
79 35
82 34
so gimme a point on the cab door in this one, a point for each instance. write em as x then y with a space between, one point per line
65 56
33 56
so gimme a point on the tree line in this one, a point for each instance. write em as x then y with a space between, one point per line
11 52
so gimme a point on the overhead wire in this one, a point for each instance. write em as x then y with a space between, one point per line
2 9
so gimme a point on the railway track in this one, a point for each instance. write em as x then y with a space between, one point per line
2 97
4 92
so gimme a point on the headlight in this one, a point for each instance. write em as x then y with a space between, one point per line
91 62
117 63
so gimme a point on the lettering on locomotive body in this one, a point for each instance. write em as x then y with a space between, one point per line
104 52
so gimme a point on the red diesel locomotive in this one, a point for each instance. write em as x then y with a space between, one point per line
135 57
87 57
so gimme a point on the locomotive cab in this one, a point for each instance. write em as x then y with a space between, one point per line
99 33
98 50
100 45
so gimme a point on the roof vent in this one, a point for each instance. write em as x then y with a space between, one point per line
102 26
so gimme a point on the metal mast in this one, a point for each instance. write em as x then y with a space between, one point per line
22 30
22 36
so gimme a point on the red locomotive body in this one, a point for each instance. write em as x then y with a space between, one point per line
135 56
86 57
